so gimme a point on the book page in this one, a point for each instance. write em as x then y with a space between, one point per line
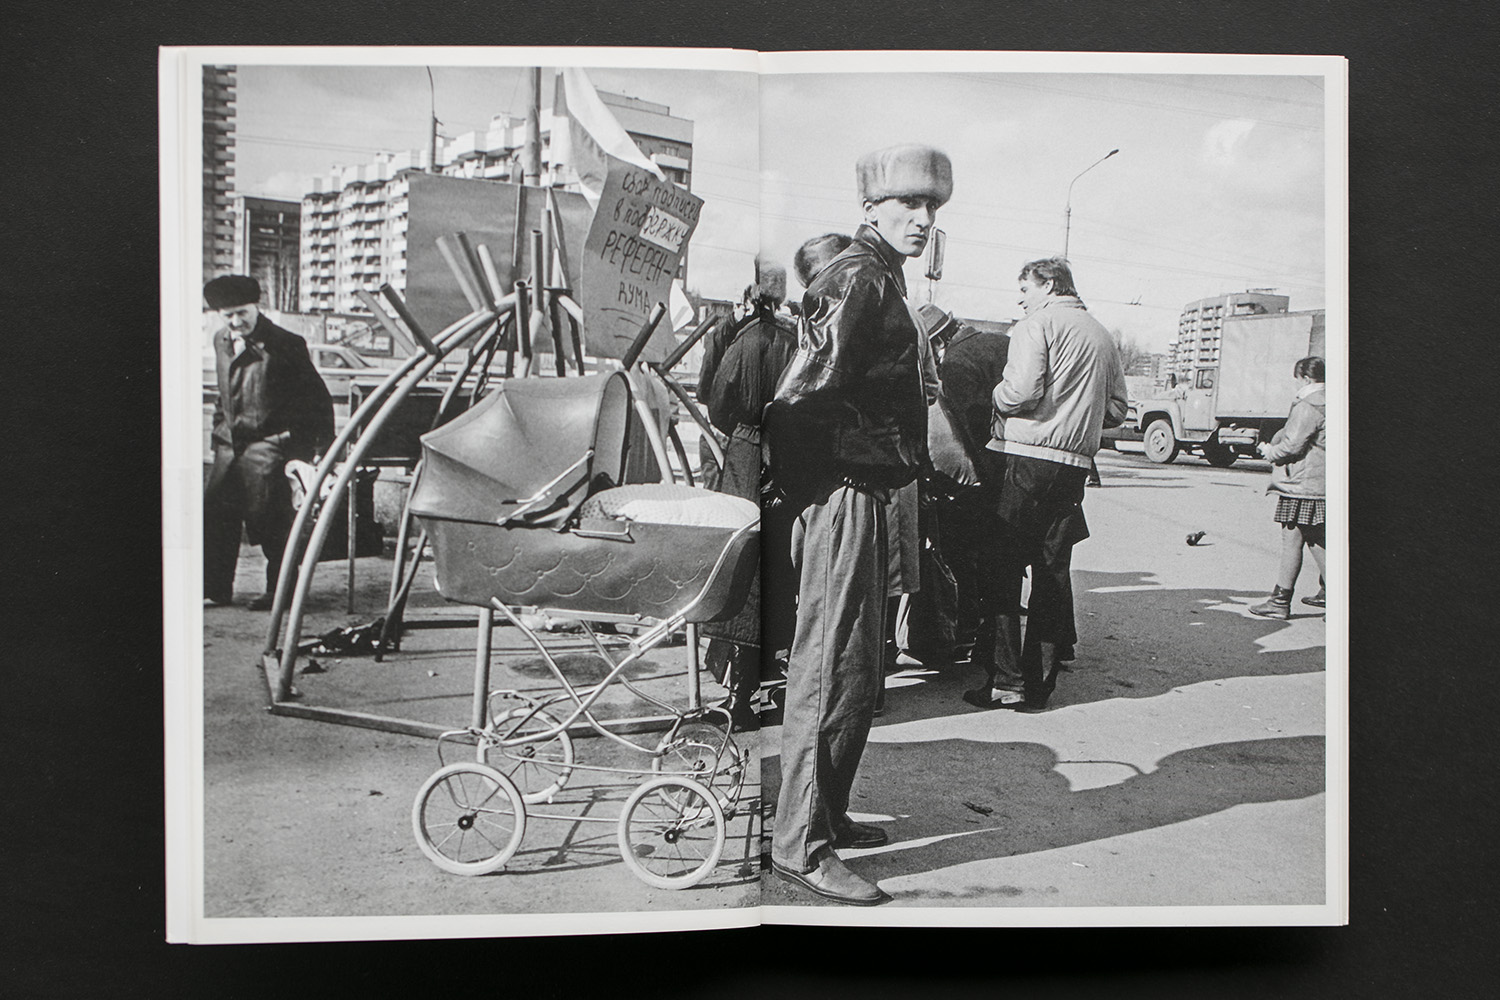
1179 755
328 773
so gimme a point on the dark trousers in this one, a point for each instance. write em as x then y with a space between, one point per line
1039 518
839 546
249 490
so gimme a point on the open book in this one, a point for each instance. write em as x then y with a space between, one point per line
498 684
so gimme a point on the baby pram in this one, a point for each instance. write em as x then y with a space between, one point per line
525 502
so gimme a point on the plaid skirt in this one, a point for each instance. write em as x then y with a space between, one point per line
1300 511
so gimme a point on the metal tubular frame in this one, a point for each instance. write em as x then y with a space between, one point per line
523 314
370 417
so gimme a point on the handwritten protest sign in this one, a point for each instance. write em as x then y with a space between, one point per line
630 258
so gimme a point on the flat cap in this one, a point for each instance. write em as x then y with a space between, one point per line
230 290
905 172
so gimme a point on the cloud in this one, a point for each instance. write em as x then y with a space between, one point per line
287 184
1222 142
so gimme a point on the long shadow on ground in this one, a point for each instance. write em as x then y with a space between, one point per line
1032 809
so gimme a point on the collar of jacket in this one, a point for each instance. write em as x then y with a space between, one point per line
1308 390
893 260
967 332
1063 302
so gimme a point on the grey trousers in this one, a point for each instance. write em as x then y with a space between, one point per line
834 671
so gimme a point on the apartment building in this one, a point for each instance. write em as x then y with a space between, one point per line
218 170
354 223
267 246
1200 323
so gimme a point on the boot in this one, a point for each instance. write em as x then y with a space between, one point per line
1320 599
1279 606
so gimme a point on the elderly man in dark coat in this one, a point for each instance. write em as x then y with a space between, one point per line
272 407
847 426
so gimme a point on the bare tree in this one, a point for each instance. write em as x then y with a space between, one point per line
1131 351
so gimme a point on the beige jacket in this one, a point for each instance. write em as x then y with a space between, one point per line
1063 385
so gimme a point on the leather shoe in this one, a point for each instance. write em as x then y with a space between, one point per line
860 835
262 603
831 879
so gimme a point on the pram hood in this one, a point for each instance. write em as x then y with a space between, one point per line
523 454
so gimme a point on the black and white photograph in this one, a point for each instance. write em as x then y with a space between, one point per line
612 490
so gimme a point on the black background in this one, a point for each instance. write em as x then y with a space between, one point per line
79 381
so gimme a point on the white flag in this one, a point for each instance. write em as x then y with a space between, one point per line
585 134
679 306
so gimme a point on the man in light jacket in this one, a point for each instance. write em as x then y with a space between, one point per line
1063 385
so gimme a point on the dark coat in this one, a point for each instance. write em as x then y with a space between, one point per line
748 373
851 405
972 366
270 391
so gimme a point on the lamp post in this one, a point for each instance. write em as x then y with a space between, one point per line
1068 211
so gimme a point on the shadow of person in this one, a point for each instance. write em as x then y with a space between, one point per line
1136 640
959 801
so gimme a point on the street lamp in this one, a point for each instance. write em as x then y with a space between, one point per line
1068 211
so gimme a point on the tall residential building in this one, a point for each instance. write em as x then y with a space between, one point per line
218 170
267 237
1199 325
355 220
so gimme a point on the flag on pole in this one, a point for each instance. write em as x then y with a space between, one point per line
585 135
679 307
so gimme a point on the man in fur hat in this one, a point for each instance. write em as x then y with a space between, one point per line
272 407
847 426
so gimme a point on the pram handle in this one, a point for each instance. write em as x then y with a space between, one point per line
545 493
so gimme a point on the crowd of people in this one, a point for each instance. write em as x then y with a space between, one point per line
895 451
899 452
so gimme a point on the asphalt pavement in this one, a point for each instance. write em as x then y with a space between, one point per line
1179 763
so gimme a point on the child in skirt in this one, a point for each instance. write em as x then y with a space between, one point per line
1298 454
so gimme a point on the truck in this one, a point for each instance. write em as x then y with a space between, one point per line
1225 407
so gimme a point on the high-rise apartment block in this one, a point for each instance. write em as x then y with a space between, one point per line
218 170
1199 325
354 223
267 238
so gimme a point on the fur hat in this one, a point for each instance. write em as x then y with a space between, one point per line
230 290
905 171
770 281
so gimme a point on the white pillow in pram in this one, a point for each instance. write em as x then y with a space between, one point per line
672 503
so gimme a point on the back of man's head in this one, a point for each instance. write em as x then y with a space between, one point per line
1053 269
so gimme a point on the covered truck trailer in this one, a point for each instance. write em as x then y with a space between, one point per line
1241 399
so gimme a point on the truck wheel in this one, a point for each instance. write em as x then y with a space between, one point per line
1220 456
1161 443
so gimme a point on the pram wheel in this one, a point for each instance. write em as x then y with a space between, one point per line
707 754
468 818
539 768
671 832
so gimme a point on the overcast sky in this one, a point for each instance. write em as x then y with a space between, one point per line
1218 185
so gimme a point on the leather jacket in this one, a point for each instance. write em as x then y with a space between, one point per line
850 406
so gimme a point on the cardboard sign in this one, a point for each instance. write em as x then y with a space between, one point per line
630 257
